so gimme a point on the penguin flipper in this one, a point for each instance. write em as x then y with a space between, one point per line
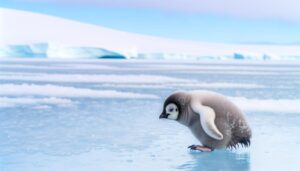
207 119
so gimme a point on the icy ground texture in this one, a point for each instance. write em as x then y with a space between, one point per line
103 115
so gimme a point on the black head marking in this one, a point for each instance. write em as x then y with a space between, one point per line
179 99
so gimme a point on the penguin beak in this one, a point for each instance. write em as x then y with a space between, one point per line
163 115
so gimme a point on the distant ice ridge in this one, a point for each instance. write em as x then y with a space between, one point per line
46 50
49 50
62 51
26 50
244 55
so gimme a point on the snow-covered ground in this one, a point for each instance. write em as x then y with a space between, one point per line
78 115
31 35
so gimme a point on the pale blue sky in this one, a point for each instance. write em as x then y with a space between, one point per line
202 24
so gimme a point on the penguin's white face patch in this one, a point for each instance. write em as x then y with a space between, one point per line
172 111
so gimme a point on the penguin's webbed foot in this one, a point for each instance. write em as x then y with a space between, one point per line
200 148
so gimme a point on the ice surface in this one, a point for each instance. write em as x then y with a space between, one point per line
268 105
65 124
92 78
25 101
193 84
63 91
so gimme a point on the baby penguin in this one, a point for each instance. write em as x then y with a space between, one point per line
214 120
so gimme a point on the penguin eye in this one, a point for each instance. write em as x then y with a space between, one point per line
171 110
176 110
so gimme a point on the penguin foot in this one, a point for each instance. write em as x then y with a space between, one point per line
200 148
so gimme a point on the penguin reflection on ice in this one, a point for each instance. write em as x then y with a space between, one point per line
214 120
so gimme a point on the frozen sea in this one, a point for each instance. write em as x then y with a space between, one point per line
102 115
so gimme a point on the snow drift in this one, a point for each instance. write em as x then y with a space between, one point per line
27 34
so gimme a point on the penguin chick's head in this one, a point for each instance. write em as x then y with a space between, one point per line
170 111
172 106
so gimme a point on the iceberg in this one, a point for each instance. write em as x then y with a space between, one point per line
262 56
60 51
39 49
24 50
255 56
45 50
21 51
55 50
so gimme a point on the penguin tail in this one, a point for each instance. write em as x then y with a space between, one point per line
245 141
